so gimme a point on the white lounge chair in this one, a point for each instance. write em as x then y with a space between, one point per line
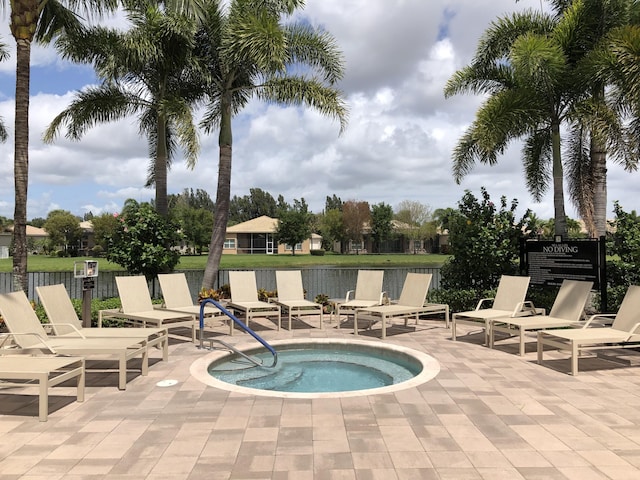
28 334
623 333
177 298
244 297
567 311
137 308
65 323
45 370
410 304
508 302
291 296
368 292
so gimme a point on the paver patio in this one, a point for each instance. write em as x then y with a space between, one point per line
488 414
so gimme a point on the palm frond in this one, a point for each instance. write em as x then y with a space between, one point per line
313 93
480 79
537 161
4 134
181 121
54 19
315 49
539 62
466 153
255 38
94 105
580 171
495 44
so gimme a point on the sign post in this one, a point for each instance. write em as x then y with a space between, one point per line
88 272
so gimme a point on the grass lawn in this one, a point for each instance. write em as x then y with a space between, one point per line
43 263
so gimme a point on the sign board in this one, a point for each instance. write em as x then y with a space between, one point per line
548 263
87 268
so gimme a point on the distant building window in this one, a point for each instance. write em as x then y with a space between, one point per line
298 247
230 243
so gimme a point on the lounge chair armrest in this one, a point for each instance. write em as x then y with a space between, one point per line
4 337
32 334
348 295
526 308
634 328
482 301
592 318
70 327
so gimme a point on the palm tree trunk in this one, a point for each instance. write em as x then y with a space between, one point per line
21 164
160 173
598 153
223 198
598 224
558 187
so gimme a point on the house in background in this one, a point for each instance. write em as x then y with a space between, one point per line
399 241
33 235
87 241
256 236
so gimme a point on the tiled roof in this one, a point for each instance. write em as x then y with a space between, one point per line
261 224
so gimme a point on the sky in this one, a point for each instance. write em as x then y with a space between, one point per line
397 146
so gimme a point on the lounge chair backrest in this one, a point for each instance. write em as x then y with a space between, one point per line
175 290
19 316
629 312
57 304
414 290
369 285
243 286
511 291
134 294
289 285
571 300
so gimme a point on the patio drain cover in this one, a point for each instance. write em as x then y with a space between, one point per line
166 383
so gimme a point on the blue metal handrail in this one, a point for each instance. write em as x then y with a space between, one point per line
237 322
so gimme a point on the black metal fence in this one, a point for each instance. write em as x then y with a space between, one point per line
333 282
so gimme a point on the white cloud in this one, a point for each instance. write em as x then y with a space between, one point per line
399 55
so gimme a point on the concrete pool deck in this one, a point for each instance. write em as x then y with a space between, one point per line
488 414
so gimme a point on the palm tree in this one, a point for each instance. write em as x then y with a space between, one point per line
42 21
604 122
148 71
523 63
39 20
250 50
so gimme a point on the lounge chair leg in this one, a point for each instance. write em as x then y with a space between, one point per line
575 352
384 327
453 329
122 372
540 348
81 383
491 332
145 361
522 349
487 329
43 400
355 323
165 348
